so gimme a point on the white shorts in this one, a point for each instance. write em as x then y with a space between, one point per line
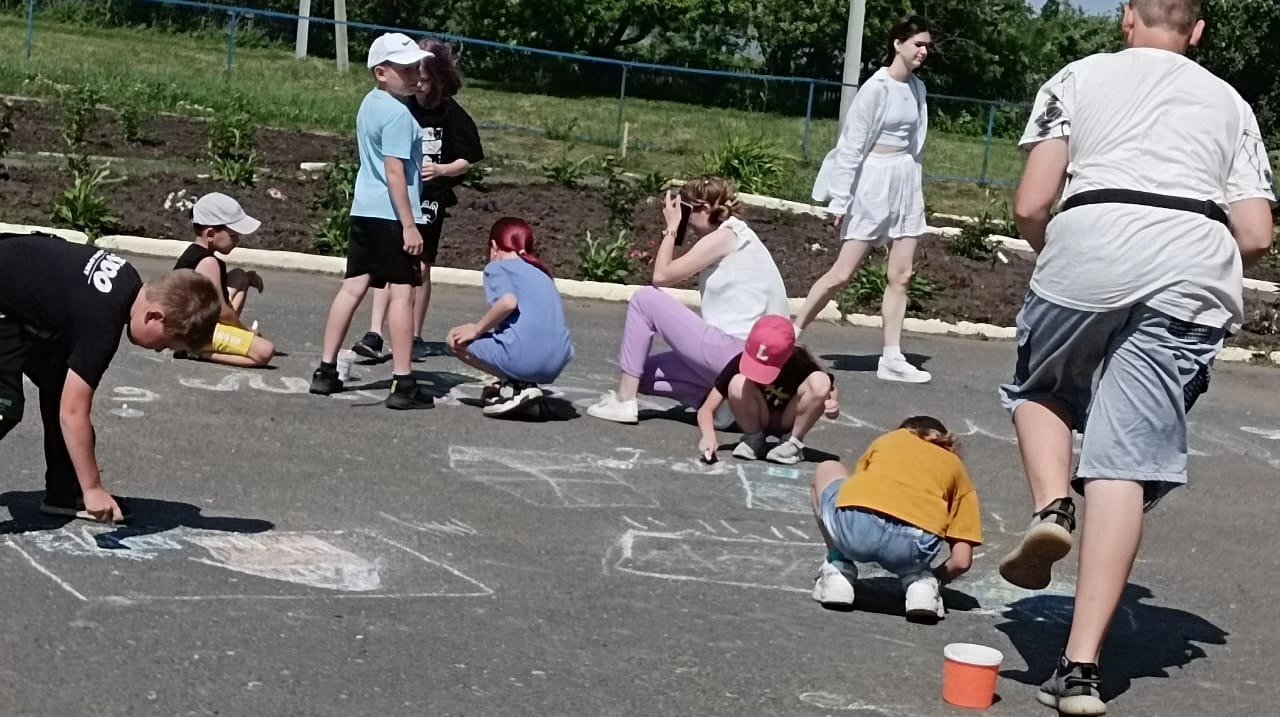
888 200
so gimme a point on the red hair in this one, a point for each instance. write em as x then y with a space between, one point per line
515 235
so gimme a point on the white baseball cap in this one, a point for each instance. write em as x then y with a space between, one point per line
396 48
218 210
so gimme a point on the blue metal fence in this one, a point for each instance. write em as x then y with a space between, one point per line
811 86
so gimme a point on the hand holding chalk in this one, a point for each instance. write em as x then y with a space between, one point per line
707 451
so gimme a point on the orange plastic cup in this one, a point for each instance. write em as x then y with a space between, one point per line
969 674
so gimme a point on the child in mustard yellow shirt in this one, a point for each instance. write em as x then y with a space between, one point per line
909 494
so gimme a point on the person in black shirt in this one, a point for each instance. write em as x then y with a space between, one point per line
218 222
450 145
62 306
774 388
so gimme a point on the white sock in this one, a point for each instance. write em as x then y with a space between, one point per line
892 352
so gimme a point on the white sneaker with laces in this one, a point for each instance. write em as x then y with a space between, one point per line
897 368
750 447
924 601
610 408
788 453
832 587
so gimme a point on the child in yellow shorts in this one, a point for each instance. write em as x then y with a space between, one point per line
909 494
219 221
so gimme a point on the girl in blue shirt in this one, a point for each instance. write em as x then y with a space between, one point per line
523 338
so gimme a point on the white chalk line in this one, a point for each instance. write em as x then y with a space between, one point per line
47 573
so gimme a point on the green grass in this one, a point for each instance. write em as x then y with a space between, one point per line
186 74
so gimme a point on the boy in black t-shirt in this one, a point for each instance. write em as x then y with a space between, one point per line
62 306
450 145
219 221
773 389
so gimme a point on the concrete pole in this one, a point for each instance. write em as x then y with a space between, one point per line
340 33
304 27
852 55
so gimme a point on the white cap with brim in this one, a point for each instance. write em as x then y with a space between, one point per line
218 210
396 48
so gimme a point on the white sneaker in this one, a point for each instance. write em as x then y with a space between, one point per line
832 587
610 408
750 447
788 453
924 602
899 369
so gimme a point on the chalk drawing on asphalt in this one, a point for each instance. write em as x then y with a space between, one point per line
93 564
552 479
450 527
845 703
775 560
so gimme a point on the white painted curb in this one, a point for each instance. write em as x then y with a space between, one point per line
572 288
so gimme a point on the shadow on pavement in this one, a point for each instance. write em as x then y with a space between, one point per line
148 516
1145 640
867 363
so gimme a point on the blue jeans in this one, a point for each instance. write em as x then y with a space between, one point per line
866 536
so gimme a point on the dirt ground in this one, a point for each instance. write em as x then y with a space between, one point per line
802 246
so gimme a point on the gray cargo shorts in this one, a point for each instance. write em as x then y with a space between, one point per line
1153 368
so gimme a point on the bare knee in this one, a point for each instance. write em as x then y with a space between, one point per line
817 385
740 388
827 473
899 276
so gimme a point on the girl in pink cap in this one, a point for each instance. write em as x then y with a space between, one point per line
774 388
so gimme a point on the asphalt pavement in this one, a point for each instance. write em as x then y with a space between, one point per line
300 555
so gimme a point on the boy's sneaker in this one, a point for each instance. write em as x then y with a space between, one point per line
325 381
1073 689
610 408
788 453
750 448
1047 541
899 369
421 351
512 396
832 587
369 346
924 602
408 396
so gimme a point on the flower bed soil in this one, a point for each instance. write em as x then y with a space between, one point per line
802 246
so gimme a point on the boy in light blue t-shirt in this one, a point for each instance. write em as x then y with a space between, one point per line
384 243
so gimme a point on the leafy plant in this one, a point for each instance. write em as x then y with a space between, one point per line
232 144
567 172
653 184
610 262
129 116
335 203
754 165
79 112
865 290
83 207
620 196
561 130
476 176
974 242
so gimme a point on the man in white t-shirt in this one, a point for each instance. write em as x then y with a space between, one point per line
1167 195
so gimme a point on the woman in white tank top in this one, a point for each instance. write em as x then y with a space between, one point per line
738 282
874 180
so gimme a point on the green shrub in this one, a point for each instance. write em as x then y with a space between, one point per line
610 262
79 112
83 207
865 290
567 172
334 203
755 165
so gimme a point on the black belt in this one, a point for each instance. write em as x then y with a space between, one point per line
1203 207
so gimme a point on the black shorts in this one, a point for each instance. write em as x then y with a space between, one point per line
432 226
375 247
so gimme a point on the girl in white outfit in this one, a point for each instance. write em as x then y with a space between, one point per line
874 181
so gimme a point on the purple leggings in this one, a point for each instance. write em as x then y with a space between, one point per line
699 351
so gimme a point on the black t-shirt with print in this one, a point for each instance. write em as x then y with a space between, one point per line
448 134
76 296
779 393
195 254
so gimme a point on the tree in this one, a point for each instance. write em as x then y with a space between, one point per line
1239 46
